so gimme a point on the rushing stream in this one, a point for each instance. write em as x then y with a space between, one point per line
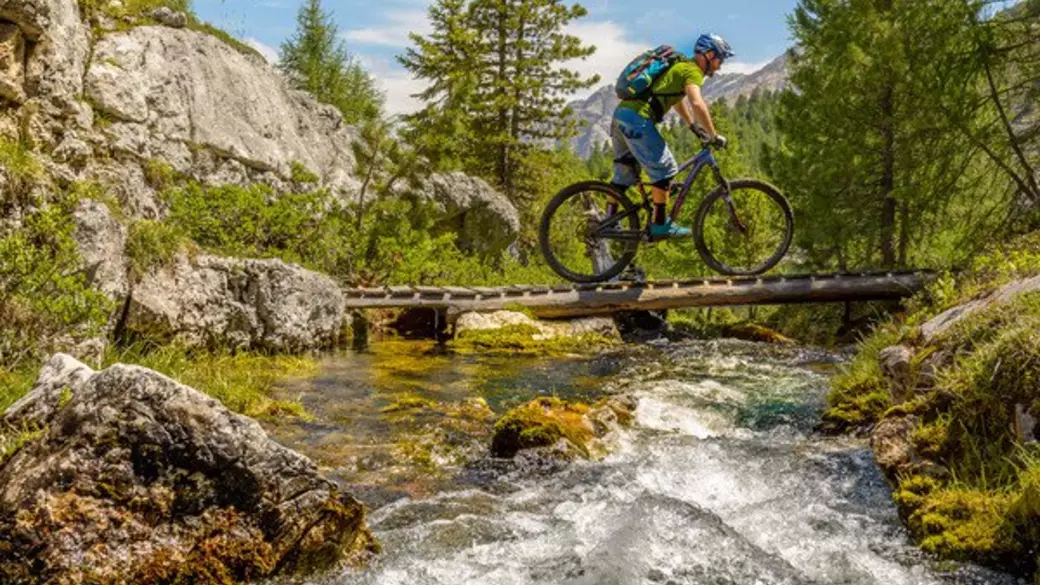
721 480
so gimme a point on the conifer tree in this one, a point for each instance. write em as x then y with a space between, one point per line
446 59
317 62
497 84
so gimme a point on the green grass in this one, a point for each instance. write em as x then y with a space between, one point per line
242 382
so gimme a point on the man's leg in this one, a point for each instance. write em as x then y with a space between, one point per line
648 146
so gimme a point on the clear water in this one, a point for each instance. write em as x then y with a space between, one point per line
721 481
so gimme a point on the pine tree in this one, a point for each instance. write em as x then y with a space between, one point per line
497 92
317 62
872 165
441 131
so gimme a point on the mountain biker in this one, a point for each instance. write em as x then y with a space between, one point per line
637 142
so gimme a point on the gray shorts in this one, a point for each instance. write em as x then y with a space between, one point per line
637 138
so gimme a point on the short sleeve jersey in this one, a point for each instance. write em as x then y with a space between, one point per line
669 87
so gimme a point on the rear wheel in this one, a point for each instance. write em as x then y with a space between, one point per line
589 232
746 234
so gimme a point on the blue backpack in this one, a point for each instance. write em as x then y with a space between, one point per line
637 78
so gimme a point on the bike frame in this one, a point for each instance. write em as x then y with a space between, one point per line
704 158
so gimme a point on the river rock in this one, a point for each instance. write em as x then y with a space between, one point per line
892 443
559 429
243 304
126 476
468 322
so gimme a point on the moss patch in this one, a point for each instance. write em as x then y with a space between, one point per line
526 340
542 423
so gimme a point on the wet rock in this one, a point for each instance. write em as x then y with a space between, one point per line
756 333
555 428
129 477
893 446
255 304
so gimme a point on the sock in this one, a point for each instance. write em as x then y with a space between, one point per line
660 213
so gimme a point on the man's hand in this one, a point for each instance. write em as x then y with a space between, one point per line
720 142
700 133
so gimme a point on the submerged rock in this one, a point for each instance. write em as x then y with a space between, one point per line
126 476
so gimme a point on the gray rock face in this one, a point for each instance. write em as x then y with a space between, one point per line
482 217
101 239
129 477
258 304
170 17
896 365
175 92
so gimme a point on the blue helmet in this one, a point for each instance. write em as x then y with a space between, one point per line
713 42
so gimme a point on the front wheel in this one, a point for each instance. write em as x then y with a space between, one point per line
748 232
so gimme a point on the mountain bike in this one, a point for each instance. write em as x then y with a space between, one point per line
590 233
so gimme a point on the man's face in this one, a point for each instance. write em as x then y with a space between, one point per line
714 63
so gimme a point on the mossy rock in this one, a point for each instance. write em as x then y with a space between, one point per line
756 333
542 423
526 340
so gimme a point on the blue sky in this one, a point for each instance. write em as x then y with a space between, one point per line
376 31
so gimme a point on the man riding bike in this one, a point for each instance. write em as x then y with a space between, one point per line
637 142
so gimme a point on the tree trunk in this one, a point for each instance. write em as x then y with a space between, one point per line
888 209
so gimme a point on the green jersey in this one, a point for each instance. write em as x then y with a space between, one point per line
669 89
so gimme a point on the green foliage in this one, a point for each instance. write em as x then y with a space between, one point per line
44 294
301 174
151 244
860 394
317 61
893 148
243 382
22 170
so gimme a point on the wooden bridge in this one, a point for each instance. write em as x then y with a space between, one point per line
607 298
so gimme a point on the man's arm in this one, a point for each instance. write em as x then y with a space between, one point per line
699 108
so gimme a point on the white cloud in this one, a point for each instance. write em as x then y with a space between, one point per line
745 68
396 83
613 49
395 33
269 52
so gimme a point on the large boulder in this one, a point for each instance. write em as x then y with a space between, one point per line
126 476
243 304
193 101
483 218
